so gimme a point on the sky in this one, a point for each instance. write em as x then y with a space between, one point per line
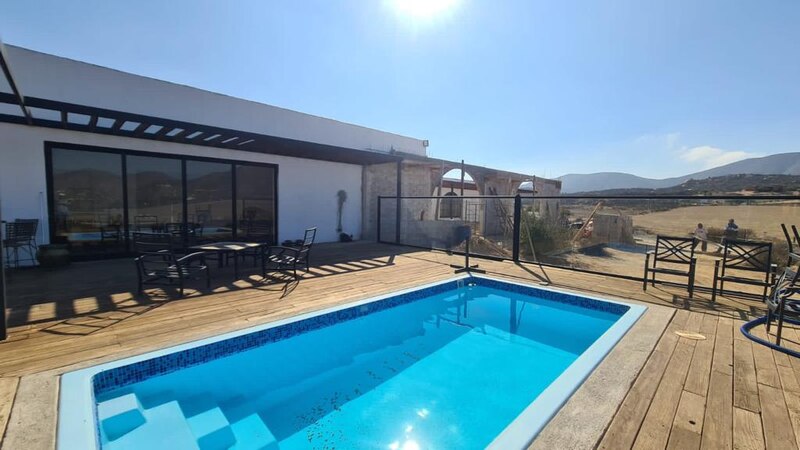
655 88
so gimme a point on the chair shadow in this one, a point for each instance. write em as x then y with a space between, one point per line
54 300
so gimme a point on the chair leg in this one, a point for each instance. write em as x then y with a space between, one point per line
769 321
780 323
714 283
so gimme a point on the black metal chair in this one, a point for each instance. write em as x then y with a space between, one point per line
673 251
794 254
784 300
158 264
743 257
20 235
279 258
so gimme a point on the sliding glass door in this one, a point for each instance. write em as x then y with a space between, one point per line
209 199
87 203
255 203
98 197
155 194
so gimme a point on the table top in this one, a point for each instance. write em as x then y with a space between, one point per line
226 246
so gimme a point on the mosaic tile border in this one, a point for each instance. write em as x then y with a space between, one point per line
118 377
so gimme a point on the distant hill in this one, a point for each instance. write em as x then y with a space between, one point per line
780 164
728 184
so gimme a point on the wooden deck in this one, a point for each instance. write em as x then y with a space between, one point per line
719 392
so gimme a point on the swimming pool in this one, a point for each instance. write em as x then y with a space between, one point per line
466 363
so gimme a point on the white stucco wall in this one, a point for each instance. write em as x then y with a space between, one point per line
56 78
306 188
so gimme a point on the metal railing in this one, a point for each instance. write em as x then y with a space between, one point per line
605 235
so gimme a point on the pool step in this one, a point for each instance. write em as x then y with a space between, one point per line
252 434
166 428
212 430
120 415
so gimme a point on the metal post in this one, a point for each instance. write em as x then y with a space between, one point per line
3 323
462 177
517 224
379 219
399 191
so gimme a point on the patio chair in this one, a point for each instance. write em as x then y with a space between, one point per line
20 235
678 255
158 264
794 253
281 258
740 258
784 300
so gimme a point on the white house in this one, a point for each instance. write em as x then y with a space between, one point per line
95 154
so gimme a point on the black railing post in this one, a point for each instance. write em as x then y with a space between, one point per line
3 324
517 220
397 206
378 221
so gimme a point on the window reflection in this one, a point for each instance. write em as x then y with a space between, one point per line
155 193
209 190
255 203
88 202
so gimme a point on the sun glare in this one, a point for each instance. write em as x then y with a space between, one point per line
423 8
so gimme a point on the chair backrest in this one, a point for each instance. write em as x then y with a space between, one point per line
309 236
151 243
675 249
747 255
789 240
308 241
22 229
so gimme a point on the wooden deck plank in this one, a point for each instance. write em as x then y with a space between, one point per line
655 428
688 423
625 425
777 425
745 389
766 372
747 431
718 420
700 367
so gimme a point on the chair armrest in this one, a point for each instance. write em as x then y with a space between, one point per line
281 250
200 256
650 252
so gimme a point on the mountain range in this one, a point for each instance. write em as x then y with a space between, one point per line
780 164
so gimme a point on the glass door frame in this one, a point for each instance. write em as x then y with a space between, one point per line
49 146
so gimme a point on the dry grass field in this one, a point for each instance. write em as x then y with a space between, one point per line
763 220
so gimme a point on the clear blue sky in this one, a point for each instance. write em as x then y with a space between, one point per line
656 88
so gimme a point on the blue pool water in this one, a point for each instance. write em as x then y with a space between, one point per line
448 370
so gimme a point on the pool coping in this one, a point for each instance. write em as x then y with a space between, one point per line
76 426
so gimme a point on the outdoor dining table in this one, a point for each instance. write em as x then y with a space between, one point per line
224 248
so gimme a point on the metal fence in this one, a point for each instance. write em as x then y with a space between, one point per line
602 235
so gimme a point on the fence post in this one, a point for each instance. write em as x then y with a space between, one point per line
397 207
517 220
3 323
378 221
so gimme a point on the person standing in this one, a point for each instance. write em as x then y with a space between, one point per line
731 230
702 235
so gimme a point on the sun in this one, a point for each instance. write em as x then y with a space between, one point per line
423 8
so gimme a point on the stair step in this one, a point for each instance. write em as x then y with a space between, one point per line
211 429
120 415
253 434
166 427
